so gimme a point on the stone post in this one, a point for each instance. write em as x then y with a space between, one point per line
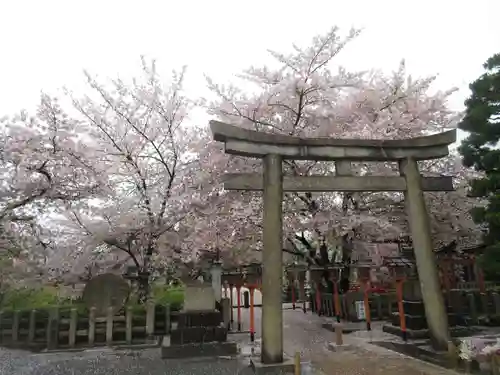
216 272
418 218
272 262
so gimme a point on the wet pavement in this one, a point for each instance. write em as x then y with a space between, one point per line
302 333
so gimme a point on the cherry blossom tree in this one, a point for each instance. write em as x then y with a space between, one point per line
140 140
43 169
307 95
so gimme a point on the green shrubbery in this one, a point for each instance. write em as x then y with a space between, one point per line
30 298
42 298
171 295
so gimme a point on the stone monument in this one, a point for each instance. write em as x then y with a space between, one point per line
105 291
200 331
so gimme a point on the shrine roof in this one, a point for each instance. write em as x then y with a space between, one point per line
398 262
453 250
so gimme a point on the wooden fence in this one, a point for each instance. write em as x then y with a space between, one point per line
472 305
381 305
69 327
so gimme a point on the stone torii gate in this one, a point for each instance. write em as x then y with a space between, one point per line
274 148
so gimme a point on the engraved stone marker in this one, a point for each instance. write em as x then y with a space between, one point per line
104 291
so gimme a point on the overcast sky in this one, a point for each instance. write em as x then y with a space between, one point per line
47 43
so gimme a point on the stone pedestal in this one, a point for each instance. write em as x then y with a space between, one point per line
287 366
216 273
416 322
199 297
225 304
200 331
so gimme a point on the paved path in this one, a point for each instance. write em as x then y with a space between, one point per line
303 333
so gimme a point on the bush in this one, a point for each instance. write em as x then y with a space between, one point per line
43 298
29 298
171 295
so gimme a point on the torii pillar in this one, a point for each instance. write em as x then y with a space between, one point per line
272 262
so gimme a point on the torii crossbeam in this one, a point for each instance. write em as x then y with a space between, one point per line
274 148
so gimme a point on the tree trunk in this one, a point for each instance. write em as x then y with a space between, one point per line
144 276
143 287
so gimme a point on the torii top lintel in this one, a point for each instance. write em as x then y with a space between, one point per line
251 143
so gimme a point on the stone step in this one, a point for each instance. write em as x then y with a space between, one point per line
417 307
424 333
210 318
189 335
418 322
207 349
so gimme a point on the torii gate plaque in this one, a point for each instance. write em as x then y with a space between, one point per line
273 148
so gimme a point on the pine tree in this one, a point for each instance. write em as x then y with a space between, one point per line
481 150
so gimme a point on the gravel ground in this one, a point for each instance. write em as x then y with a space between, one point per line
97 362
302 333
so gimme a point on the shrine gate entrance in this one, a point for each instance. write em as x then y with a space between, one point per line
274 148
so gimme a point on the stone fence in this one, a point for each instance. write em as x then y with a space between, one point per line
68 327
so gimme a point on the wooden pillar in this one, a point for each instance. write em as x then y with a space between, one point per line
15 326
73 325
401 309
418 218
336 300
302 293
446 271
252 314
318 299
91 328
231 288
366 302
109 326
128 325
167 319
478 273
272 262
32 327
238 299
150 319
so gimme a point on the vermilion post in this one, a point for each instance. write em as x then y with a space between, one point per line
367 305
318 300
252 317
238 299
401 309
231 303
336 300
